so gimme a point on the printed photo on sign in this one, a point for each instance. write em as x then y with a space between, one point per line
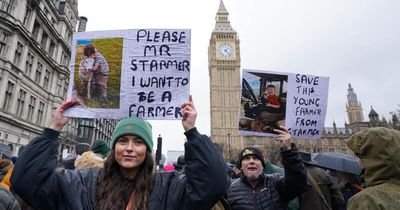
263 102
273 99
98 72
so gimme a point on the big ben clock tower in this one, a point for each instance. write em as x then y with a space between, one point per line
224 72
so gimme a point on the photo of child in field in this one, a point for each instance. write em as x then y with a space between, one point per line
98 71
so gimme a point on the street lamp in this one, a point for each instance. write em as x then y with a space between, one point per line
229 146
158 151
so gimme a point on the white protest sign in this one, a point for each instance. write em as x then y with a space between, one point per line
273 99
141 73
306 105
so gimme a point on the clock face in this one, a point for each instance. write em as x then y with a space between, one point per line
225 50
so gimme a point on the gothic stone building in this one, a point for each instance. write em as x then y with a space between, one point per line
224 74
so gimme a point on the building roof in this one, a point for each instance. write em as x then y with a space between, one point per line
222 9
372 112
222 23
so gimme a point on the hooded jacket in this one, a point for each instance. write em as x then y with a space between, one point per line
379 151
36 180
311 199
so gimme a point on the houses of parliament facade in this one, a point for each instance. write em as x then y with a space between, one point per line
35 52
225 94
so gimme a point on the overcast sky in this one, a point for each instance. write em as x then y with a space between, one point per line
355 42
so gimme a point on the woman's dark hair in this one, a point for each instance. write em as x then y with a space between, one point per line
89 50
114 190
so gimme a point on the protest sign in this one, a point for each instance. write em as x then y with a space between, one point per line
273 99
141 73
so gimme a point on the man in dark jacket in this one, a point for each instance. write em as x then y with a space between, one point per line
271 169
255 190
322 192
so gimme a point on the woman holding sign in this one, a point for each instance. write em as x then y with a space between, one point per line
128 180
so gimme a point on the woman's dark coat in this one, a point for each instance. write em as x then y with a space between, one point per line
36 180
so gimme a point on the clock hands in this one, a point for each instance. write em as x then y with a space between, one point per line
225 50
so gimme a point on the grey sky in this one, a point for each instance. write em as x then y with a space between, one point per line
355 42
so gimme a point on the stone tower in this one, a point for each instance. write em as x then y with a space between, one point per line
353 107
224 73
373 117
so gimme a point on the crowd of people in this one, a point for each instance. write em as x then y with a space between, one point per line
122 175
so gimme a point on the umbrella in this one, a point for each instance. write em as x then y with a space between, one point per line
338 162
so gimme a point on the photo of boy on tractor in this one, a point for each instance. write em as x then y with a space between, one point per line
263 102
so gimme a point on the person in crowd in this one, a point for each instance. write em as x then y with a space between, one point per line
100 147
255 190
322 192
169 167
348 185
379 152
180 163
89 159
21 149
95 157
128 180
14 159
69 162
271 169
237 173
6 169
229 167
7 199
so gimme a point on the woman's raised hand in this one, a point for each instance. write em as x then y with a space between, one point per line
59 120
189 114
